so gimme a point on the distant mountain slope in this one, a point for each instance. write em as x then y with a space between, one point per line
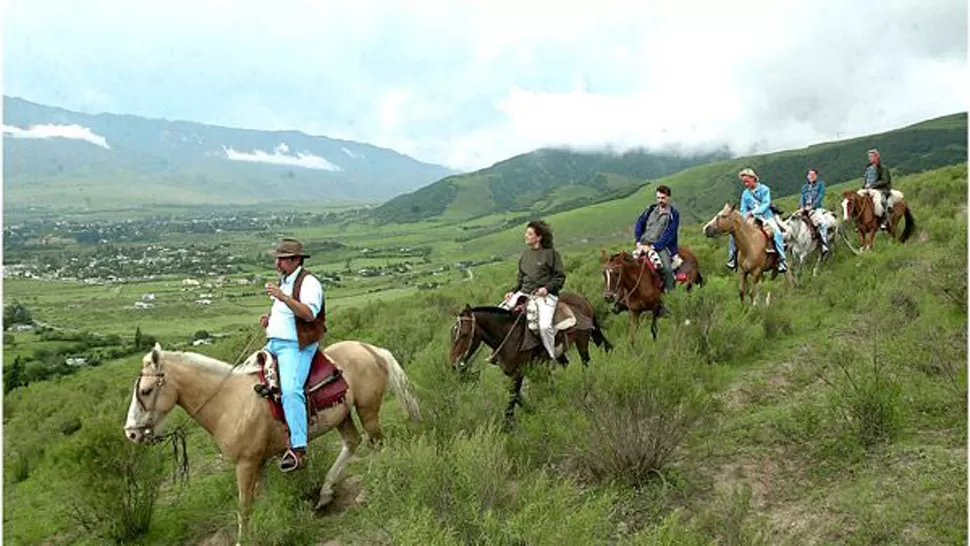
544 180
699 191
54 156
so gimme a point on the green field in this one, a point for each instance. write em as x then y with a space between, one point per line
838 415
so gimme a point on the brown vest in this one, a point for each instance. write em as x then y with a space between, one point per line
308 332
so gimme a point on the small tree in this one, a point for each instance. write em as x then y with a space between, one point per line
16 313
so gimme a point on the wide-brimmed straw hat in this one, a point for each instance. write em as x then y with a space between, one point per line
748 172
288 248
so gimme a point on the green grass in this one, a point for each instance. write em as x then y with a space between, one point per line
782 449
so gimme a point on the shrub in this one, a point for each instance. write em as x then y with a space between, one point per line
638 418
106 484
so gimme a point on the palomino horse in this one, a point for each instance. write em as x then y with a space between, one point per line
803 238
862 210
752 244
513 345
633 285
221 399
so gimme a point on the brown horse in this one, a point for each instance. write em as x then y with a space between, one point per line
221 399
752 244
862 210
633 285
514 345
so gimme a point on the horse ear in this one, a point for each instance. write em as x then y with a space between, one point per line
467 308
156 353
603 257
261 358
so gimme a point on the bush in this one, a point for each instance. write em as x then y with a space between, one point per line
471 495
638 418
106 484
865 396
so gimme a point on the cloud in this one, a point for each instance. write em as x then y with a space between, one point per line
280 157
468 84
74 132
351 154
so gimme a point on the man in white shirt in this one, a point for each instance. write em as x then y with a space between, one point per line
294 328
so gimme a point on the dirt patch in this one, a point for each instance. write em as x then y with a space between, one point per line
347 494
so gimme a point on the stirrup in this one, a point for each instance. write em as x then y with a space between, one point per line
292 460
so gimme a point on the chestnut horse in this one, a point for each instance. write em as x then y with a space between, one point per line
862 210
221 399
632 284
506 333
752 244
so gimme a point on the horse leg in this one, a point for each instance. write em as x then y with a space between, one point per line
370 420
742 284
653 323
582 346
515 398
247 472
351 439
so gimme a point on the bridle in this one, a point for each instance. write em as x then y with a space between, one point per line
615 293
148 430
467 356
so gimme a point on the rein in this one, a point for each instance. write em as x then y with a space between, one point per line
177 435
626 298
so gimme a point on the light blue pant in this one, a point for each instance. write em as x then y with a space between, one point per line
294 366
779 246
823 230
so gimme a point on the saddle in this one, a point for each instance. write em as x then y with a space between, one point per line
658 282
325 386
563 319
812 228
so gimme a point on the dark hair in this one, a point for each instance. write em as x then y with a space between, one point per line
813 171
543 230
664 190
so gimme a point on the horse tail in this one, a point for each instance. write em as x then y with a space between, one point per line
700 279
910 226
400 384
598 338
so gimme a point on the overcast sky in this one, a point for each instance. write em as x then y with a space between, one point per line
466 84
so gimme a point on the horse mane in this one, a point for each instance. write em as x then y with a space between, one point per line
491 310
207 363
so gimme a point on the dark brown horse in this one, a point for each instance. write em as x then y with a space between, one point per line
862 210
514 345
633 285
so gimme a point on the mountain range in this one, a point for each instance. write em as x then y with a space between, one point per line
54 156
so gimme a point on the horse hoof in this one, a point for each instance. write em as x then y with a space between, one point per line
325 499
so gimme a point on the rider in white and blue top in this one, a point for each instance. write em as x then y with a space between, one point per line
294 355
756 202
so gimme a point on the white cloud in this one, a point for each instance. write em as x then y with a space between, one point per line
280 157
351 154
467 84
74 132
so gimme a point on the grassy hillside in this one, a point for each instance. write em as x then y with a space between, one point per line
837 415
543 180
700 186
701 191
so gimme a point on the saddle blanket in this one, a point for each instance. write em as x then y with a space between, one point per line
325 386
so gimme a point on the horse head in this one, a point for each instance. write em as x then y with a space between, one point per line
613 273
721 222
151 398
464 339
